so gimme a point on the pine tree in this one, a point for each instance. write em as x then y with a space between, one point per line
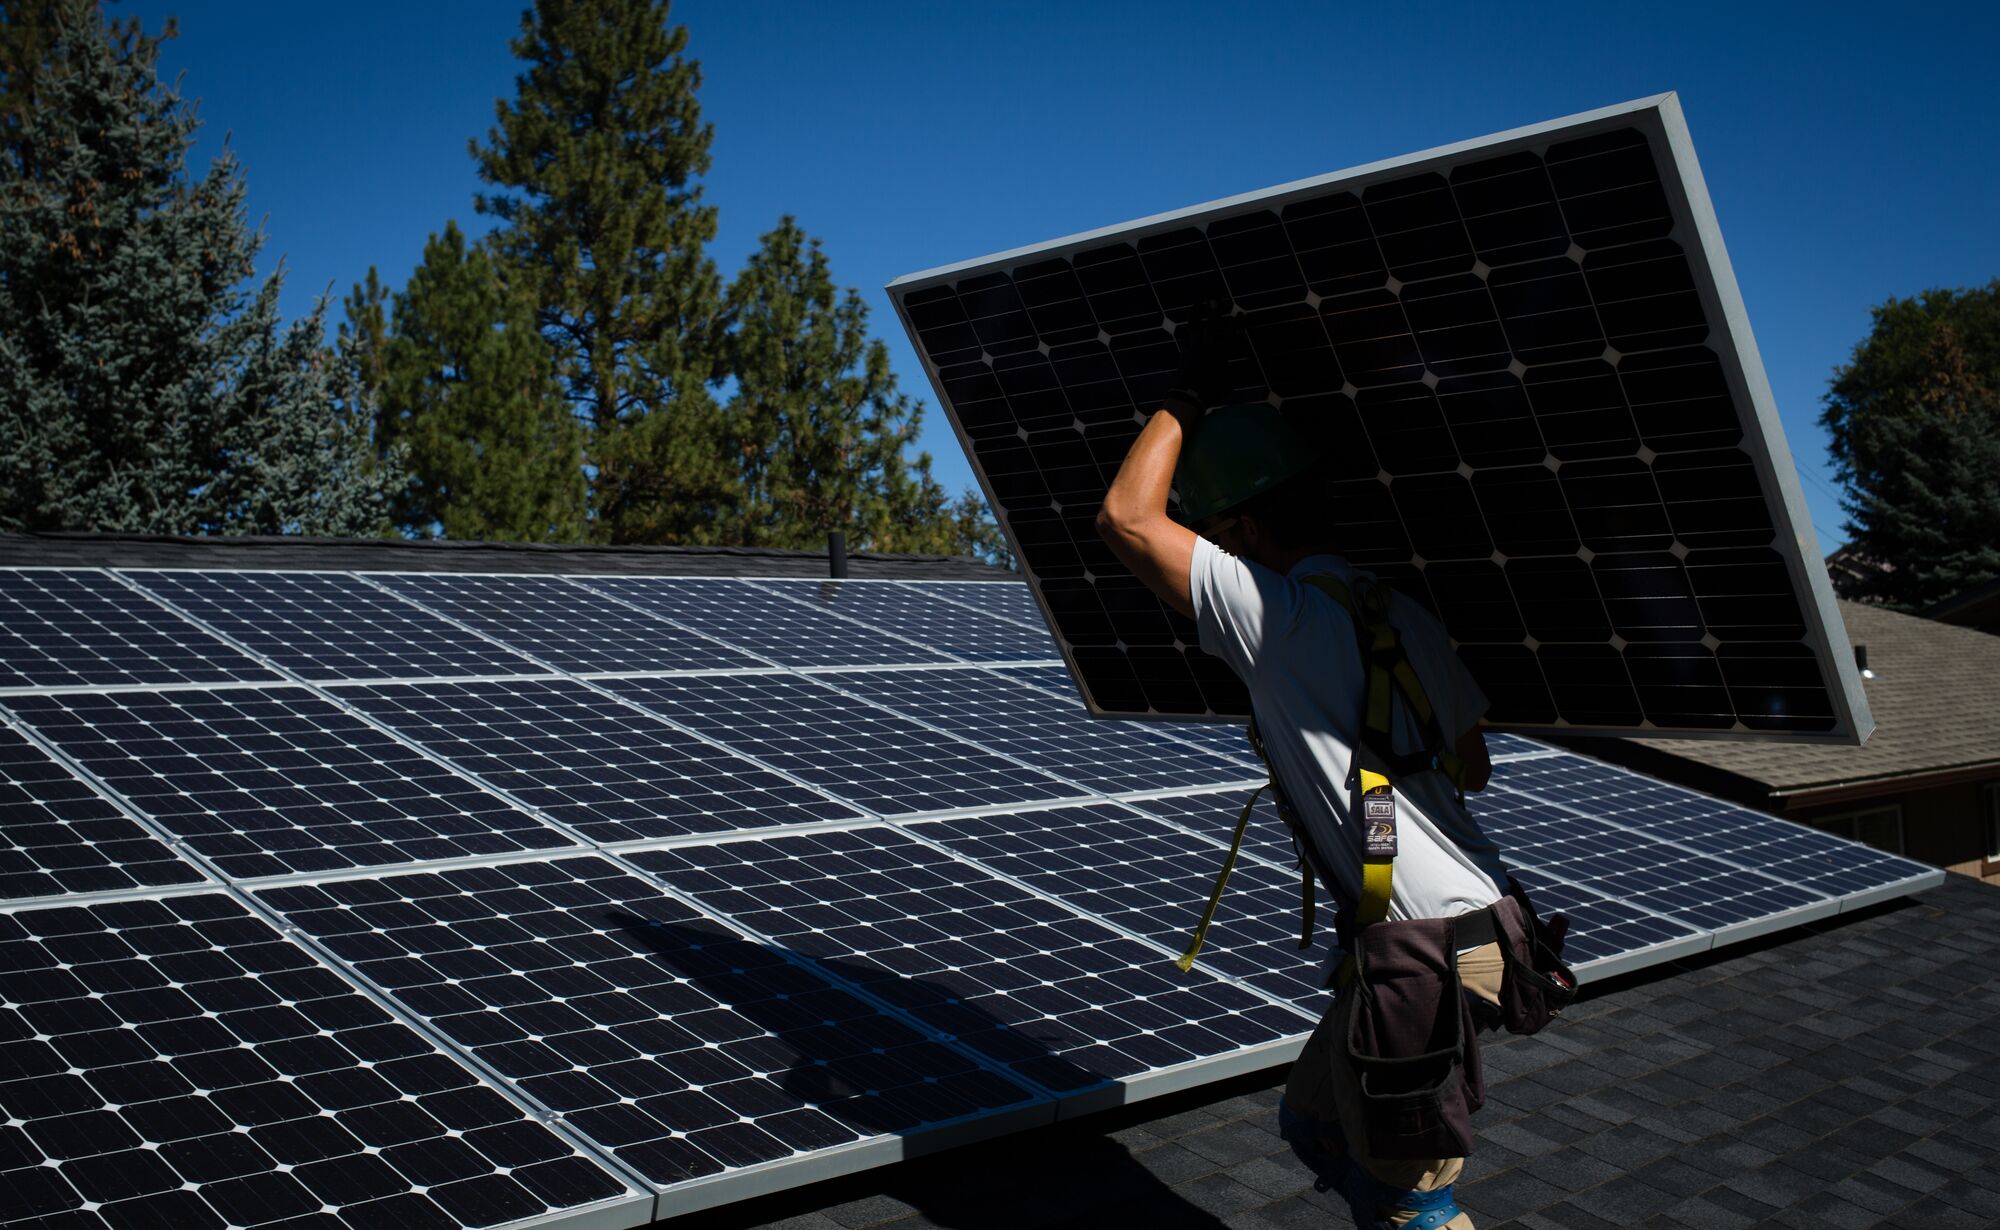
142 387
817 423
597 158
467 385
1914 433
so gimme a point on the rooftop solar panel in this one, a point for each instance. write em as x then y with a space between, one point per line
678 1045
1051 733
1749 839
763 623
178 1063
277 781
1008 599
63 627
603 768
962 632
1541 414
321 625
857 752
789 989
1058 1000
564 625
59 836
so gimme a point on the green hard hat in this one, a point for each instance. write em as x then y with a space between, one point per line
1236 454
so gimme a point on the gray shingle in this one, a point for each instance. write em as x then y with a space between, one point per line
1718 1113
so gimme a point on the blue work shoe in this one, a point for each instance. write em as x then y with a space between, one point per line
1366 1195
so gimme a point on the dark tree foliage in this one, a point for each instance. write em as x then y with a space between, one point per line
143 385
595 161
1914 427
817 425
466 385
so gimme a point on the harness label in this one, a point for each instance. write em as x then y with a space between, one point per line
1378 816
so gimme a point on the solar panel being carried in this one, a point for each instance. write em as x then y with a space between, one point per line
1539 408
548 941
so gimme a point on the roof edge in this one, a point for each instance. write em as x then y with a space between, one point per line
458 544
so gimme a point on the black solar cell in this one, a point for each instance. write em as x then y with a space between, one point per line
60 836
178 1063
61 628
1055 998
679 1045
603 768
269 781
560 623
853 750
323 625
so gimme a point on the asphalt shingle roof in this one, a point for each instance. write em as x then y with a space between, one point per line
1935 697
1845 1074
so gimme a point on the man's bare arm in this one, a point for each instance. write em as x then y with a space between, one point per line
1134 520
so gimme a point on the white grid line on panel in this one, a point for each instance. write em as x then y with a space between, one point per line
1918 872
1040 1110
531 1106
1087 1095
333 697
784 587
103 790
99 689
780 591
912 586
1000 668
913 829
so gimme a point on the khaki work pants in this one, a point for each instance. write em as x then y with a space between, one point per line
1322 1087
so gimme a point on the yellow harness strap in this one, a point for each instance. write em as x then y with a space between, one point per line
1186 961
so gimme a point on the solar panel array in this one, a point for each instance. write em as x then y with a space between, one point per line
484 900
1536 408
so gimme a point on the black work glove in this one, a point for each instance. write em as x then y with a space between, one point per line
1209 340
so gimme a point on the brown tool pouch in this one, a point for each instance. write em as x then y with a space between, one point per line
1535 984
1410 1038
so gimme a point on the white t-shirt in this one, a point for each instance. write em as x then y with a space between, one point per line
1294 647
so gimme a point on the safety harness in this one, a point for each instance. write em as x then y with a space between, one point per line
1390 675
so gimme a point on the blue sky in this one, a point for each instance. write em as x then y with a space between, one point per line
1848 148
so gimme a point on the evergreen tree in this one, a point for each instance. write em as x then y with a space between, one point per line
817 424
142 387
1914 433
596 158
467 385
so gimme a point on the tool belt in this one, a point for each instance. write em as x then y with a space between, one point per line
1410 1030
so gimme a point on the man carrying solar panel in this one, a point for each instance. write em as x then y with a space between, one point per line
1370 727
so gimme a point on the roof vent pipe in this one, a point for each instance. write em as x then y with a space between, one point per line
836 555
1861 660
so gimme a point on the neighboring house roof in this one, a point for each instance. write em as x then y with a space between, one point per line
1837 1075
1978 607
77 550
1936 702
